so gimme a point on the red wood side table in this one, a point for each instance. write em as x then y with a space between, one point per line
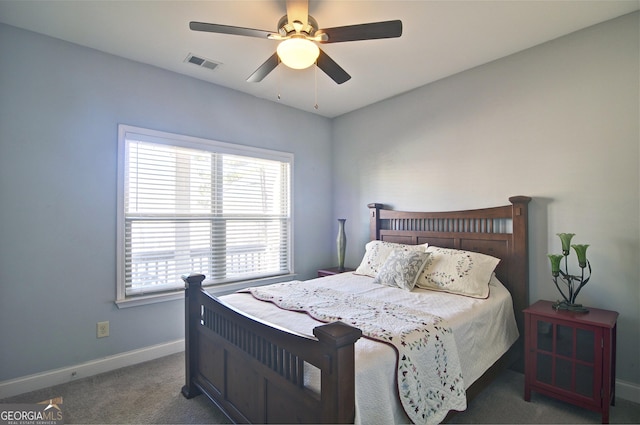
571 356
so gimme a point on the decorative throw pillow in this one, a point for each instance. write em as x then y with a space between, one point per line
402 268
376 253
458 272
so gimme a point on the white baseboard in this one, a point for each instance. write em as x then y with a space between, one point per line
628 391
60 376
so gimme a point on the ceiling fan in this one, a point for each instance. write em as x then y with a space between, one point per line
299 36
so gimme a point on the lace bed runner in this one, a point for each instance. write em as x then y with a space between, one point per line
429 375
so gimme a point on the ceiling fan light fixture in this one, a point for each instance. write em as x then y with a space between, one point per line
298 53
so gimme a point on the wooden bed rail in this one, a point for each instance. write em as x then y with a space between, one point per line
254 371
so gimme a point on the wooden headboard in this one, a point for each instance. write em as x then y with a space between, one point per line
499 231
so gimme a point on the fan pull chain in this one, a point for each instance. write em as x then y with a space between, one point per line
278 78
315 80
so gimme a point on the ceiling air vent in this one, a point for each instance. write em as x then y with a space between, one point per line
202 62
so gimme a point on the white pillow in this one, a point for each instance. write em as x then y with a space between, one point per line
376 253
402 268
458 272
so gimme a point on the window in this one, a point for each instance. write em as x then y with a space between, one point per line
193 205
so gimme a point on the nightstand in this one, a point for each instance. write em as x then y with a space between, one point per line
332 270
571 356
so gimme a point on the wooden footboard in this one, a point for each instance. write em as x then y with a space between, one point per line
255 371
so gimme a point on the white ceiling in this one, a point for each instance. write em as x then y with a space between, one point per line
440 38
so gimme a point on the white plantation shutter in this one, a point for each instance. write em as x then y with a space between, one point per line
191 205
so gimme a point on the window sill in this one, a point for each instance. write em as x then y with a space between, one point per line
215 290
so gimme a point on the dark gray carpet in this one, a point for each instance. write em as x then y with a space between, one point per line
149 393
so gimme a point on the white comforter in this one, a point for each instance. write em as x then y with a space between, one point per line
483 330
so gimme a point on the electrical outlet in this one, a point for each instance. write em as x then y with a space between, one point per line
102 329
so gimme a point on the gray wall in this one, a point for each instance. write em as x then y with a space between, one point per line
60 105
558 122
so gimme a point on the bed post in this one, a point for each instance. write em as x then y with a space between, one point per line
520 271
374 221
338 374
191 320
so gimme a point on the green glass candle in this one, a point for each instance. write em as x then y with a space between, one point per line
555 264
581 252
566 241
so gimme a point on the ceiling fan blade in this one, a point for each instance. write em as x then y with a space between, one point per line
370 31
228 29
298 10
332 69
264 69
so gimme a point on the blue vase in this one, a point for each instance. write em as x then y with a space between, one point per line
341 243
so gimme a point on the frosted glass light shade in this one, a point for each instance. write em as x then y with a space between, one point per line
298 53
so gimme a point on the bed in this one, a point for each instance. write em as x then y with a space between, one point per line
259 362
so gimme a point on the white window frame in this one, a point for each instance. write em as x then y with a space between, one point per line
126 132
